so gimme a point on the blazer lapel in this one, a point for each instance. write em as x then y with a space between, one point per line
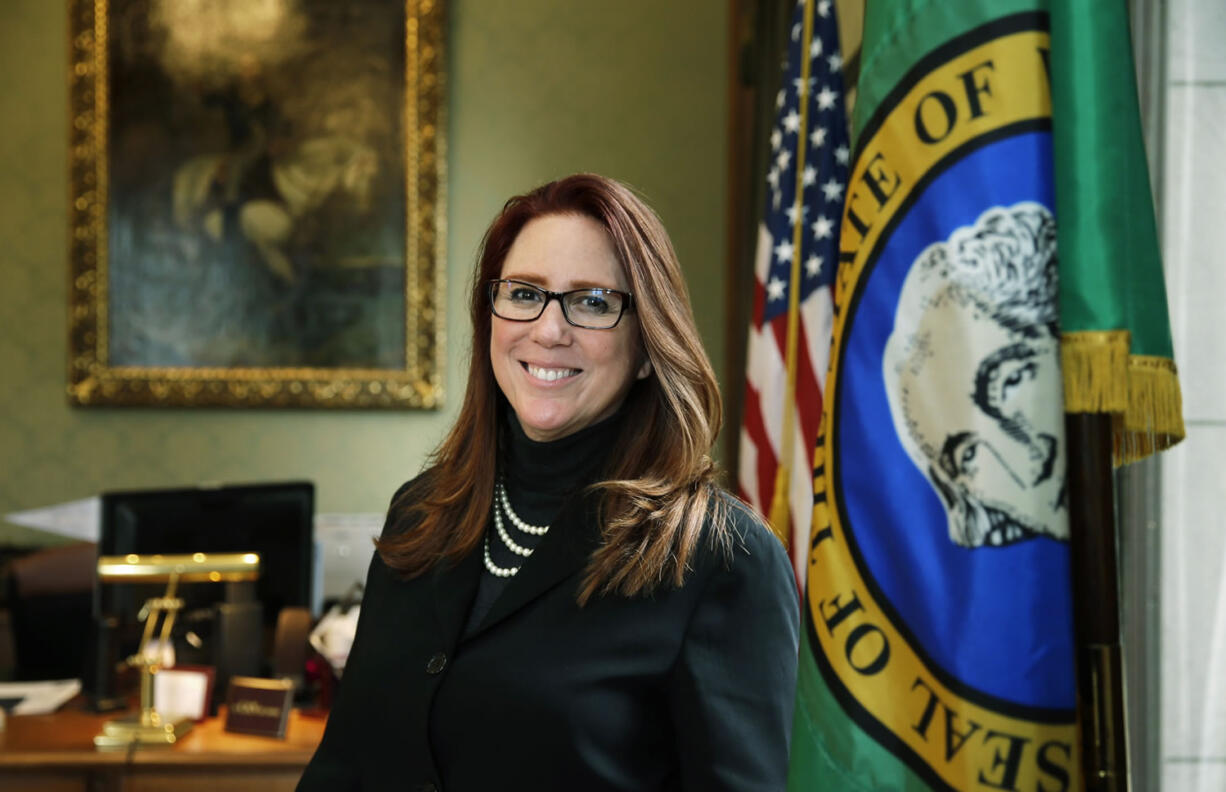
454 589
564 551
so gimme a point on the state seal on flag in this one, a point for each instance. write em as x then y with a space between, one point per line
939 583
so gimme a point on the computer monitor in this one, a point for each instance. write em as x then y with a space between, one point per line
274 520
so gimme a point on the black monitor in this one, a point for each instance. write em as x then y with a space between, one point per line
274 520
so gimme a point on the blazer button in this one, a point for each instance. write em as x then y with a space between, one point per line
438 661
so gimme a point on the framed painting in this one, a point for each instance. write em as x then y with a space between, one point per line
257 212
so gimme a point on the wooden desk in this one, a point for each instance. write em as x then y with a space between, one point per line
55 753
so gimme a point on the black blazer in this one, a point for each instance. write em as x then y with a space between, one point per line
691 688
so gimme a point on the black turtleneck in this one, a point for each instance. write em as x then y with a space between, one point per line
539 477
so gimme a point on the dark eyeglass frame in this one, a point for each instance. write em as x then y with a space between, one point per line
627 302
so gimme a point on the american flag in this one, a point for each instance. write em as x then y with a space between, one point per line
797 244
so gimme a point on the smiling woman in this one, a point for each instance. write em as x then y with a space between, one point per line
567 573
559 377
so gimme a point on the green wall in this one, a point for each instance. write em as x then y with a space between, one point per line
538 88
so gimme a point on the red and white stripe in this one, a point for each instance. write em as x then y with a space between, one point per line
766 382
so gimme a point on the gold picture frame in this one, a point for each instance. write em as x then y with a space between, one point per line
258 221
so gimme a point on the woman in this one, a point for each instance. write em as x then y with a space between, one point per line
564 599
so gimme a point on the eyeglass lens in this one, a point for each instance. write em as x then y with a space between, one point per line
597 309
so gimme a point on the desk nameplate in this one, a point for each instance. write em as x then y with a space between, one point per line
259 706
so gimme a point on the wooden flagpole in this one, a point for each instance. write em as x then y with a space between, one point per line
1103 750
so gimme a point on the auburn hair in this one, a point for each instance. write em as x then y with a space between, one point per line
661 486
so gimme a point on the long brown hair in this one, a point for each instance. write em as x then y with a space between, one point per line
661 487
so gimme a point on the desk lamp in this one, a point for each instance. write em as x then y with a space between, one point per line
149 728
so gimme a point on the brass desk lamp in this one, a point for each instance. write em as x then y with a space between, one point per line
149 728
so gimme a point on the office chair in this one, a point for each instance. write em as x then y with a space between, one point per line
50 600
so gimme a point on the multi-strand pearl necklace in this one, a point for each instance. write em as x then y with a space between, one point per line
502 505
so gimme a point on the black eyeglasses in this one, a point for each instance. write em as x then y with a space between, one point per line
593 309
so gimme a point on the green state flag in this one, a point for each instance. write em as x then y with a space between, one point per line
1116 334
998 265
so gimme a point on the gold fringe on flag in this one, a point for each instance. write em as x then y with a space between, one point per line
1140 391
1095 367
1154 420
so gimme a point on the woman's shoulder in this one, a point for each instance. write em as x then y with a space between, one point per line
743 567
412 485
399 510
741 539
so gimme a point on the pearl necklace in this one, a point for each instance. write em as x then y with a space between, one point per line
502 505
535 530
